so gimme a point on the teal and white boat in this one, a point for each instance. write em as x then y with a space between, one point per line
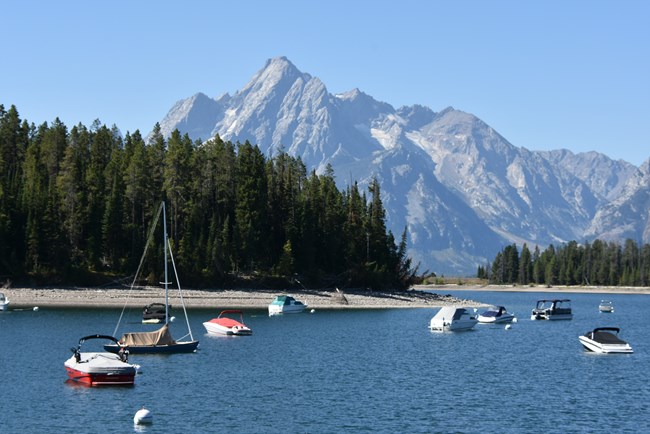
286 304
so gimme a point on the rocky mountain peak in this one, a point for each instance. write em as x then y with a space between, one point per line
461 189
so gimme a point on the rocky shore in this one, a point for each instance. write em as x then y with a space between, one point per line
423 296
229 298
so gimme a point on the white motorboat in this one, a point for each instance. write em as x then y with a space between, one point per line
225 325
496 315
453 319
100 368
4 302
285 304
606 306
605 340
552 310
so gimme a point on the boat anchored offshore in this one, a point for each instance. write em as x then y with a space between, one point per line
605 340
552 310
100 368
4 302
495 315
225 325
453 319
159 341
154 313
606 306
285 304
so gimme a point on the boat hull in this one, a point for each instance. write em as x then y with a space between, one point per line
457 326
496 320
604 348
92 379
100 369
178 347
277 310
218 329
551 317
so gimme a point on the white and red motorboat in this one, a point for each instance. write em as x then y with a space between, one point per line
225 325
100 368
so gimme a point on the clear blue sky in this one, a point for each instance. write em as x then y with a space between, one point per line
546 75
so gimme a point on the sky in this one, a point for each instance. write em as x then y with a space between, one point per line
551 74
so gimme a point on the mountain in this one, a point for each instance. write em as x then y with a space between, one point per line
628 214
460 189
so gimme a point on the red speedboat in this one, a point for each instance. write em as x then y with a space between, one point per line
224 325
100 368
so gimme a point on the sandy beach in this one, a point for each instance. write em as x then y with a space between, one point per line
421 296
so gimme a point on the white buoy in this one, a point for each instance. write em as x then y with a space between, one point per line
514 319
313 310
172 319
508 326
143 417
35 308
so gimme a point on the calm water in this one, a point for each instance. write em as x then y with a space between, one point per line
343 371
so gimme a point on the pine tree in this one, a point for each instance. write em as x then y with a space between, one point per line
525 266
72 193
102 144
250 208
13 146
137 185
113 234
177 172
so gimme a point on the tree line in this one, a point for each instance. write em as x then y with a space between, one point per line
597 263
75 203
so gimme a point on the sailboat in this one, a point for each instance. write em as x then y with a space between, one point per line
161 340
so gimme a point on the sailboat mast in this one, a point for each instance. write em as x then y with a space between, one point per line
165 250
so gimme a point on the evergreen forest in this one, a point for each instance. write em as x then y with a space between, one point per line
76 205
597 263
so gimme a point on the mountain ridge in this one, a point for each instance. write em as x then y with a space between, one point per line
460 189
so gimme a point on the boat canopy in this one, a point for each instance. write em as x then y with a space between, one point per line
285 300
553 302
450 312
155 308
603 335
158 337
231 311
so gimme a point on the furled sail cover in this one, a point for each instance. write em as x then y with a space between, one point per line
158 337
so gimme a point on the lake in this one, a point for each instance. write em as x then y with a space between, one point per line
342 371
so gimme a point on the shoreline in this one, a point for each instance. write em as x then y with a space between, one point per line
420 296
543 288
226 298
